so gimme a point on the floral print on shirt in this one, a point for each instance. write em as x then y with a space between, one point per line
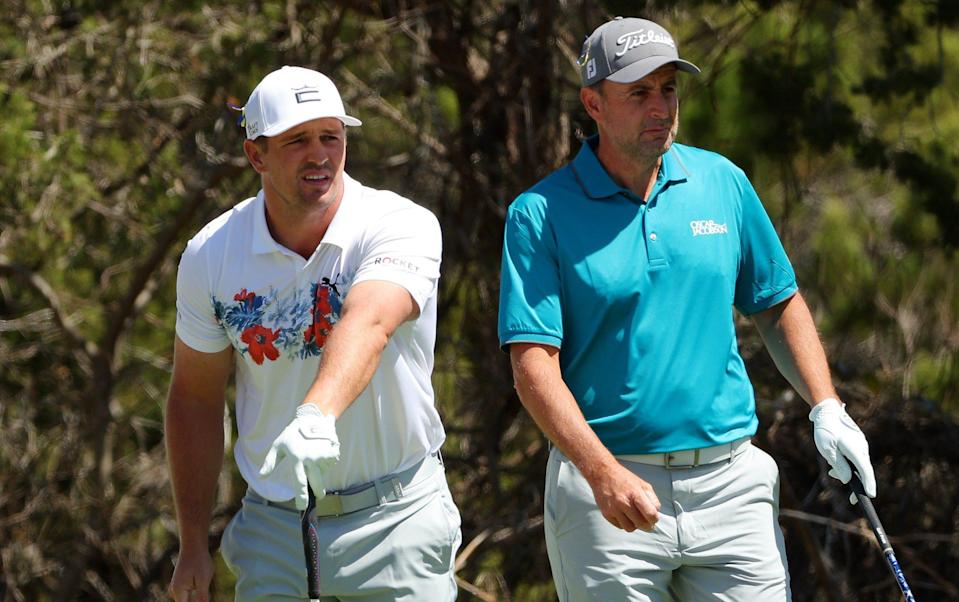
270 325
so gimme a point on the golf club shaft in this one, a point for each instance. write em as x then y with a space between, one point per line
870 511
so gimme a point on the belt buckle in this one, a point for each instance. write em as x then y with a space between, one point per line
669 458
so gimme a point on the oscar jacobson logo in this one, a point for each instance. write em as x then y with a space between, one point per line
704 227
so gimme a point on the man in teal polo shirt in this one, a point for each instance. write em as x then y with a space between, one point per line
620 274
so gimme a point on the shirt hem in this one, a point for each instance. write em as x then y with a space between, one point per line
772 301
527 337
200 345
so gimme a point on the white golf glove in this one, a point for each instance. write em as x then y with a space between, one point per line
840 441
305 448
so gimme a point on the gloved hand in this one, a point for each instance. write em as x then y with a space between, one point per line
305 448
840 441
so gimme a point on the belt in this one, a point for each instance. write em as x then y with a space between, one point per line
691 457
367 495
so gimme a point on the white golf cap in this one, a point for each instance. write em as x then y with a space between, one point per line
290 96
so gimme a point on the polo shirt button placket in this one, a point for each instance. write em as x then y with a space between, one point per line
655 251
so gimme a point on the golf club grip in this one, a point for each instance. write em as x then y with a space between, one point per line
870 511
311 550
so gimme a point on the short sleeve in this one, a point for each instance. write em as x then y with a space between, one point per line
530 310
404 247
196 321
766 276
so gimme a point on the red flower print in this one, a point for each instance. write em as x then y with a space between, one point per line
246 297
259 340
317 332
322 311
323 307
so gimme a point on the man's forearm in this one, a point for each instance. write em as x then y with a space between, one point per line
552 406
371 314
194 442
790 335
791 338
350 358
624 499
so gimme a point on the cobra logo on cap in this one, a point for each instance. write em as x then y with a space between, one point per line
306 94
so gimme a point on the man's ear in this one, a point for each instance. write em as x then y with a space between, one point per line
254 155
592 102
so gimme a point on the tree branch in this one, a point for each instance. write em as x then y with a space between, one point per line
60 317
165 241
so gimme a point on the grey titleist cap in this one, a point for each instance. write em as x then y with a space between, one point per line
625 50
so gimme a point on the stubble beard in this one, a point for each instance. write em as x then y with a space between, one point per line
651 150
298 201
311 203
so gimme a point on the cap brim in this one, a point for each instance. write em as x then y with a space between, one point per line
279 128
347 120
644 67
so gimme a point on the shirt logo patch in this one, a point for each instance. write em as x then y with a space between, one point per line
704 227
398 262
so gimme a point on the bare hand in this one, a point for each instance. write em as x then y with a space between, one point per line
192 577
626 501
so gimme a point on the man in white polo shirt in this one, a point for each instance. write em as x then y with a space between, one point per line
321 294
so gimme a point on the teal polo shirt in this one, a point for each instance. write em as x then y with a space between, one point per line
639 297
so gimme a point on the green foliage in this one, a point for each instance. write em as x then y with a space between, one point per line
448 106
15 142
937 377
844 266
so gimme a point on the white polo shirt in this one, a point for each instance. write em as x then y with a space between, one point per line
237 286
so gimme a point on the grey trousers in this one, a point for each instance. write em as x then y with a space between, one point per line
718 535
401 550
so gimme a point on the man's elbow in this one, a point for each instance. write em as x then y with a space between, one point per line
769 318
184 410
533 367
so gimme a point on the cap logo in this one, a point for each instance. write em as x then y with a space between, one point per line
306 94
591 68
641 37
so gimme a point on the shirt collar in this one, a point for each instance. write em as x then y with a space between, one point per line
262 239
597 183
336 234
342 227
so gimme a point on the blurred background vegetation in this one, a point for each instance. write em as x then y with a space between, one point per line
116 144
